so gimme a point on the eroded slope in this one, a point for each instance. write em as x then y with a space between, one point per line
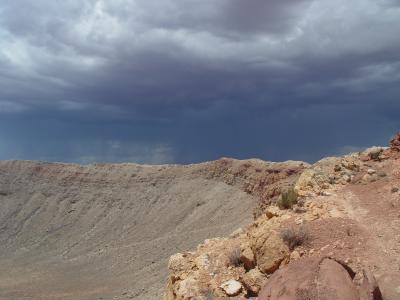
106 231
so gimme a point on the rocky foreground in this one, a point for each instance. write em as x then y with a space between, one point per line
332 233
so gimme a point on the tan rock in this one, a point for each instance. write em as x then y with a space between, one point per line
247 258
177 262
312 182
271 253
203 261
186 289
350 163
305 183
294 255
254 280
236 233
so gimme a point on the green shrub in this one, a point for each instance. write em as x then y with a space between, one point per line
287 199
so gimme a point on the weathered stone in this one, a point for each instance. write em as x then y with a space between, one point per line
202 262
247 258
298 281
271 254
294 255
253 281
369 289
231 287
236 233
176 262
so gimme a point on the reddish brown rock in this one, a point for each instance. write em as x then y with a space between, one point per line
395 142
369 289
316 278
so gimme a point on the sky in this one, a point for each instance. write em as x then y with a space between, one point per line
172 81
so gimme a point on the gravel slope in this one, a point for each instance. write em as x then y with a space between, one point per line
106 231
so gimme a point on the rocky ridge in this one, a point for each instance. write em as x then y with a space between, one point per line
346 222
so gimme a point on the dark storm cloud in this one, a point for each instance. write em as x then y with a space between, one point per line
164 81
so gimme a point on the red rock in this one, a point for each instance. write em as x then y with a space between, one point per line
395 142
316 278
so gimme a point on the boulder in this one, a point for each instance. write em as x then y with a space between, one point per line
311 182
253 281
247 258
271 253
315 278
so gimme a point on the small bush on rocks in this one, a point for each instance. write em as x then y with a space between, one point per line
234 257
288 199
294 237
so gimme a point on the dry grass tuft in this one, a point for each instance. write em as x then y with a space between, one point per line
294 237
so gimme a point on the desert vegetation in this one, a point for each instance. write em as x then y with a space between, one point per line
287 199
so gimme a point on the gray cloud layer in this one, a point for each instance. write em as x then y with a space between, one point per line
196 80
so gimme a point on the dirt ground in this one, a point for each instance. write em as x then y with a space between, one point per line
366 231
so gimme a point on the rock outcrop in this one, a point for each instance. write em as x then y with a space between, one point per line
319 246
315 278
395 143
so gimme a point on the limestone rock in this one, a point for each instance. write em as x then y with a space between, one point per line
247 258
231 287
295 255
236 233
202 262
350 163
271 253
186 289
176 262
254 280
311 182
